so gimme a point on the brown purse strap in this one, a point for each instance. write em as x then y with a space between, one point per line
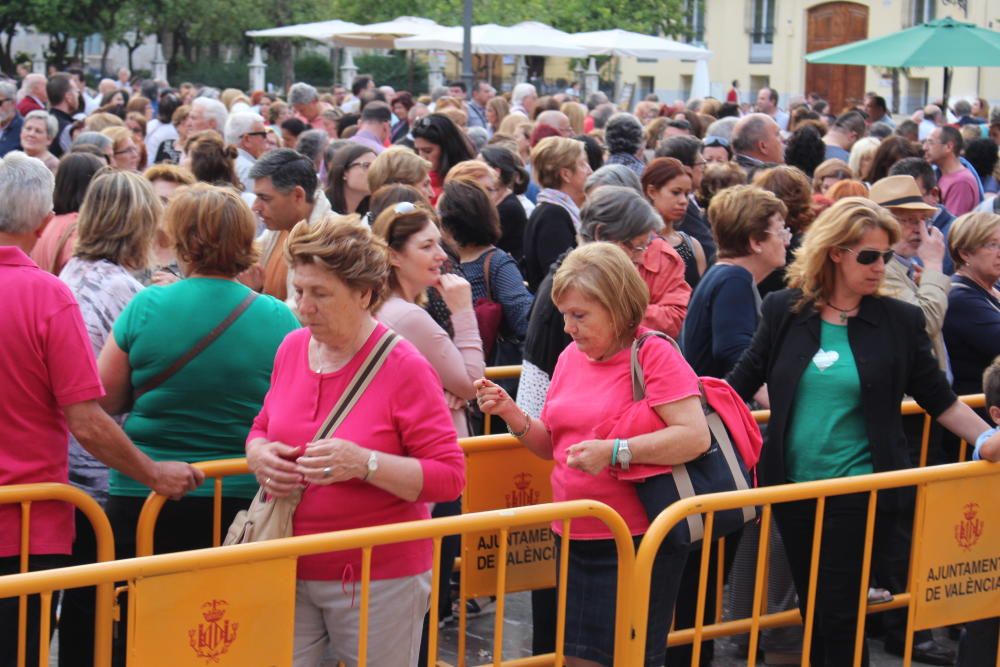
60 245
486 273
198 347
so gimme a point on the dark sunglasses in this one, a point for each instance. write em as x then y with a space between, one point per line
716 141
255 134
867 257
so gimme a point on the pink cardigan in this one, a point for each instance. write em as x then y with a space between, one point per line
662 270
410 422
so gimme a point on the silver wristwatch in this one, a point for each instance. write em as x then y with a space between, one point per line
372 466
624 454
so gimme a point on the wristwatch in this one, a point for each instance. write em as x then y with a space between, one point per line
372 466
624 454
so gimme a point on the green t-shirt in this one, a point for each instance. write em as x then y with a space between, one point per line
827 436
205 410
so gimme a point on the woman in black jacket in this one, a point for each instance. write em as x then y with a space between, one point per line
837 359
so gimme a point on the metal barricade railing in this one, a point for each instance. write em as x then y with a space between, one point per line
709 505
25 495
104 574
217 471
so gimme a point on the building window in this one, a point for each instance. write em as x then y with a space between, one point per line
687 82
694 21
921 11
762 31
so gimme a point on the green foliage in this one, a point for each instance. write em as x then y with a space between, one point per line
314 69
393 70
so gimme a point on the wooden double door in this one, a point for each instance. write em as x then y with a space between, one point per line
832 24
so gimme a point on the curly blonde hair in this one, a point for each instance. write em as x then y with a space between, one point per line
839 226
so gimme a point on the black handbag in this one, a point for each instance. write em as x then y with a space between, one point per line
718 469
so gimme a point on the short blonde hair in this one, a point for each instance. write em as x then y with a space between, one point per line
212 229
970 232
98 122
397 164
841 225
514 123
740 214
603 273
862 148
118 219
550 156
471 170
346 248
118 135
454 114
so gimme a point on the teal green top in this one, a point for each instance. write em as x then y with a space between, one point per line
205 410
827 436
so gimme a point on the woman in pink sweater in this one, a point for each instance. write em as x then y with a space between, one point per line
394 453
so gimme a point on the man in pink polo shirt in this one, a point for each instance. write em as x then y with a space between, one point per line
49 387
959 189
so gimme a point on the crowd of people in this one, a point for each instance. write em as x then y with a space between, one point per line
192 274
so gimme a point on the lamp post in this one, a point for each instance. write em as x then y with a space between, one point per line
258 70
467 75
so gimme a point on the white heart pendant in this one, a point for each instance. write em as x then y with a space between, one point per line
824 359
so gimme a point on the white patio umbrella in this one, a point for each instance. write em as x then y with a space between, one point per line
637 45
322 31
383 35
489 38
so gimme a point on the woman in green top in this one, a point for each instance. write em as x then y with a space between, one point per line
837 359
204 409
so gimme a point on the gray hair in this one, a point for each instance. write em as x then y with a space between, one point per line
601 113
29 182
286 169
8 90
614 174
722 128
214 109
624 134
439 92
312 144
962 108
614 213
750 131
880 130
478 136
521 91
240 123
102 141
51 124
596 99
302 93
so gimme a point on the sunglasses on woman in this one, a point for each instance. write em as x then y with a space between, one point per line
867 257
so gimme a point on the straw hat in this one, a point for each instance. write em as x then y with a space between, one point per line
899 192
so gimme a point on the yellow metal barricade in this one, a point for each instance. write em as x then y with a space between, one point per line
25 495
217 471
925 479
160 573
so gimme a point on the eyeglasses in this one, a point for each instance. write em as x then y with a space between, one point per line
868 256
126 151
256 134
785 234
716 141
638 249
702 164
4 100
992 246
364 165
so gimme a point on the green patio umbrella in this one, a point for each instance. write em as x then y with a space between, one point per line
942 43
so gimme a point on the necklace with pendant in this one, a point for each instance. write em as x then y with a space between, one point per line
844 312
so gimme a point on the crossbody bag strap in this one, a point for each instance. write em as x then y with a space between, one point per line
486 273
359 383
198 347
638 380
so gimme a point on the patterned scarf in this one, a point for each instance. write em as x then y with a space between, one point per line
560 198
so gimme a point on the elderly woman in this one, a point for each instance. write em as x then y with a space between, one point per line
395 453
397 164
125 152
972 322
560 166
197 412
603 299
837 359
748 222
625 140
667 184
55 245
347 183
471 221
438 140
38 131
115 230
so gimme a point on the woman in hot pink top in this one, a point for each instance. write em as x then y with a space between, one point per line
603 299
395 452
